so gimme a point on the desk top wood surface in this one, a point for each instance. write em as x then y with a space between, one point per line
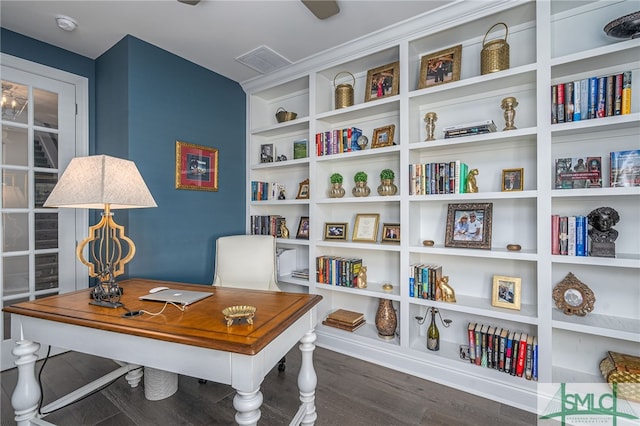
201 324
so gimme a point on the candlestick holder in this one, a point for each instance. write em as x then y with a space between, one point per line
430 118
508 105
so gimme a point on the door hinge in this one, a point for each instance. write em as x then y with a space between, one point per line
76 109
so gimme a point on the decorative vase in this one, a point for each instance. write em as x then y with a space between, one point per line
387 187
336 191
386 320
361 190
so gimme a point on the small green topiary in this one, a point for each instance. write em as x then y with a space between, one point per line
360 177
336 178
387 174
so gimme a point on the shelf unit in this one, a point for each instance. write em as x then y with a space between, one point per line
544 50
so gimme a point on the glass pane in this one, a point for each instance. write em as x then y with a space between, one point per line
16 232
45 108
14 102
44 183
15 275
46 271
14 146
45 150
46 230
14 189
7 318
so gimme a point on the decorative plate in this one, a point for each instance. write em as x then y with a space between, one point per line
239 312
627 26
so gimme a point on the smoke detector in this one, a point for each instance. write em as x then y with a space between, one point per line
66 23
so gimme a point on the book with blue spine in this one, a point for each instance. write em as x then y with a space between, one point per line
581 235
577 101
593 97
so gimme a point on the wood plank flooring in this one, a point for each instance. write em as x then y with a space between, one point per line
350 392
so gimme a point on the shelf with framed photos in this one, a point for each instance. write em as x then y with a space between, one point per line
543 51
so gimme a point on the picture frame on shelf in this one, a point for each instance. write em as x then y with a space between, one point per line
303 228
507 292
196 167
512 179
440 67
469 225
303 190
383 136
365 228
390 232
335 231
267 153
300 149
382 81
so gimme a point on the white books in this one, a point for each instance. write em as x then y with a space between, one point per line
489 123
571 236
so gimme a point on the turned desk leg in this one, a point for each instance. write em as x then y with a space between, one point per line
307 379
247 405
134 376
26 396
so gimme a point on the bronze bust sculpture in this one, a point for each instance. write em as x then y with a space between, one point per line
601 232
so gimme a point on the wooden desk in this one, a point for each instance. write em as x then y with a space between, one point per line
196 342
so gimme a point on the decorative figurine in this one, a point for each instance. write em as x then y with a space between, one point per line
362 141
508 105
361 279
284 232
601 232
444 292
472 186
430 118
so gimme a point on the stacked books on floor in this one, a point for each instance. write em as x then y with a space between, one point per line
438 178
345 320
512 352
302 274
469 129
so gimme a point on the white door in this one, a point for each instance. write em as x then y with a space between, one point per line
39 138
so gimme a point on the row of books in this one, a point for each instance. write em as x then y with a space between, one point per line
569 235
337 141
469 129
589 98
339 271
438 178
262 191
423 279
267 225
513 352
345 320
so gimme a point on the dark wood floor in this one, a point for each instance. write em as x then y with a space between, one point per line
350 392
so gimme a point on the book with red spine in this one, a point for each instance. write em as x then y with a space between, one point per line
522 355
471 331
555 234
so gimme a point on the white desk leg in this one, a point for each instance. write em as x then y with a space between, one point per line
247 405
307 379
134 376
26 396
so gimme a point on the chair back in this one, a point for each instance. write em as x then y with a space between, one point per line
246 261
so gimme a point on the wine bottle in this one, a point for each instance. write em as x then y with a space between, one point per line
433 335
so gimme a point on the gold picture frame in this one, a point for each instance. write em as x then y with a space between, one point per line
573 297
196 167
335 231
383 136
440 67
365 228
512 179
303 190
390 232
303 228
507 292
382 82
469 225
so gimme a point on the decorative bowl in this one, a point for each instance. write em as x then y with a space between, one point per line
238 312
627 26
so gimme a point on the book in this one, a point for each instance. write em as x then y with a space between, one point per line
504 334
580 172
490 336
571 236
593 98
555 234
522 354
478 337
560 112
600 97
568 102
508 352
577 100
346 317
581 235
343 326
471 331
617 94
625 168
534 368
476 124
584 99
563 235
609 99
300 149
554 104
484 333
528 365
496 347
515 349
626 92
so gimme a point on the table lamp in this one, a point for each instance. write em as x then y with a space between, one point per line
108 183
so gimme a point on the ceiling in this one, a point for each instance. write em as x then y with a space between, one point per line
211 34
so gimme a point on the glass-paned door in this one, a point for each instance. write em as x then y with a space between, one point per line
37 259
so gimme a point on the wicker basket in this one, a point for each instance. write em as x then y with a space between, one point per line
624 370
495 54
283 115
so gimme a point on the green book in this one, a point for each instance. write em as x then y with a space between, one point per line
300 149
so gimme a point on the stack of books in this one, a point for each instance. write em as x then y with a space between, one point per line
345 320
302 274
469 129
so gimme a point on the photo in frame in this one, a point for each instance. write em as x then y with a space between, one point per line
335 231
469 225
303 190
365 228
303 228
382 82
440 67
506 292
383 136
267 153
196 167
512 179
390 232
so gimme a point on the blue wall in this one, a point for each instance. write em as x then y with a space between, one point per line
146 99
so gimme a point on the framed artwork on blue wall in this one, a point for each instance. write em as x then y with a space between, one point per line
196 167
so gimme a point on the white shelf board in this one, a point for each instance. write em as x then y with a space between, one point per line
390 105
584 127
599 325
295 281
374 289
352 199
494 253
499 136
281 129
621 261
493 195
279 202
587 193
359 246
292 241
368 152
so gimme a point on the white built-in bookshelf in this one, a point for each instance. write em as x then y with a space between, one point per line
545 49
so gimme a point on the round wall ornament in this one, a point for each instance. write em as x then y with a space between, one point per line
573 297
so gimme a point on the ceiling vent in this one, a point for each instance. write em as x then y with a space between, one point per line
263 59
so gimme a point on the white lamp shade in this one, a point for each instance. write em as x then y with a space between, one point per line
94 181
